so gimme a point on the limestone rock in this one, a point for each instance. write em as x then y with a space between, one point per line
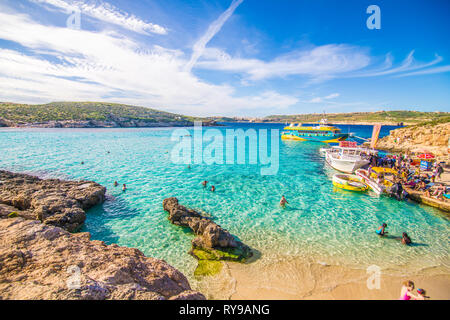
39 261
52 201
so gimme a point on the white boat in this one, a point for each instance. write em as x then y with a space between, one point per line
346 159
379 185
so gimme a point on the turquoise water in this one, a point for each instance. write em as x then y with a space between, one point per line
320 223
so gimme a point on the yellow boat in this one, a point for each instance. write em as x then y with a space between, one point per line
349 182
320 133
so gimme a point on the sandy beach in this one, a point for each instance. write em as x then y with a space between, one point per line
294 279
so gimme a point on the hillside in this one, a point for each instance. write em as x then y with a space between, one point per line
432 136
385 117
86 114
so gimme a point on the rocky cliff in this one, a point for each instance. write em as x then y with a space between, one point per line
428 137
39 261
52 201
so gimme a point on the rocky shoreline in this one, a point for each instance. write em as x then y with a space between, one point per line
102 124
426 138
41 259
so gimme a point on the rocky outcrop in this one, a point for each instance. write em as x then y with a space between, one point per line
429 137
39 261
212 242
51 201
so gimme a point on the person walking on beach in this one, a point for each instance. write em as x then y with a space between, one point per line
283 201
439 171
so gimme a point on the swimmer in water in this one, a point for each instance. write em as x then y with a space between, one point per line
380 231
204 183
283 201
213 188
406 240
124 187
116 183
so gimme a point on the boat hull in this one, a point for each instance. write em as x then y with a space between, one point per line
343 165
316 138
349 182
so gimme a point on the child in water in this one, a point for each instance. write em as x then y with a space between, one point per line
406 240
283 201
380 231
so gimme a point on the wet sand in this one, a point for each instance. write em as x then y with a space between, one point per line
293 279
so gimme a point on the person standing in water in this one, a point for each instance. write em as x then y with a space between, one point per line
124 187
213 188
283 201
204 183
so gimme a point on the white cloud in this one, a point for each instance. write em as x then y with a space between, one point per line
81 65
213 29
107 13
323 99
322 61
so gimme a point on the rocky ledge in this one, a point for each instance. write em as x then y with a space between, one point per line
39 261
212 243
429 137
51 201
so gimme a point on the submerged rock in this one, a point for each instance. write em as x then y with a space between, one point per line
52 201
39 261
212 242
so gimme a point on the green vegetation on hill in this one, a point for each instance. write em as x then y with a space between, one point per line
407 117
83 111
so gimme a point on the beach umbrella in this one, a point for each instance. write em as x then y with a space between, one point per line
426 156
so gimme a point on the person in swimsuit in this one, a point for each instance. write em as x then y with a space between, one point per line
213 188
380 231
283 201
406 240
405 293
124 187
204 183
116 183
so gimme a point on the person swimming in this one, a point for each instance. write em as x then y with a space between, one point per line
124 187
380 231
204 183
283 201
406 240
116 183
213 188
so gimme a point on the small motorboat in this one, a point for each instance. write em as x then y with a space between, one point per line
349 182
376 181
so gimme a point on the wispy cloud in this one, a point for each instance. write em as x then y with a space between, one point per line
107 13
75 67
213 29
322 99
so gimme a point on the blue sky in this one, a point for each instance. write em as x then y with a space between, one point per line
233 57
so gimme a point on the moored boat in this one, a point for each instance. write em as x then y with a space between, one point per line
376 180
323 132
347 159
349 182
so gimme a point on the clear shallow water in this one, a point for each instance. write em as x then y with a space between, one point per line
320 223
